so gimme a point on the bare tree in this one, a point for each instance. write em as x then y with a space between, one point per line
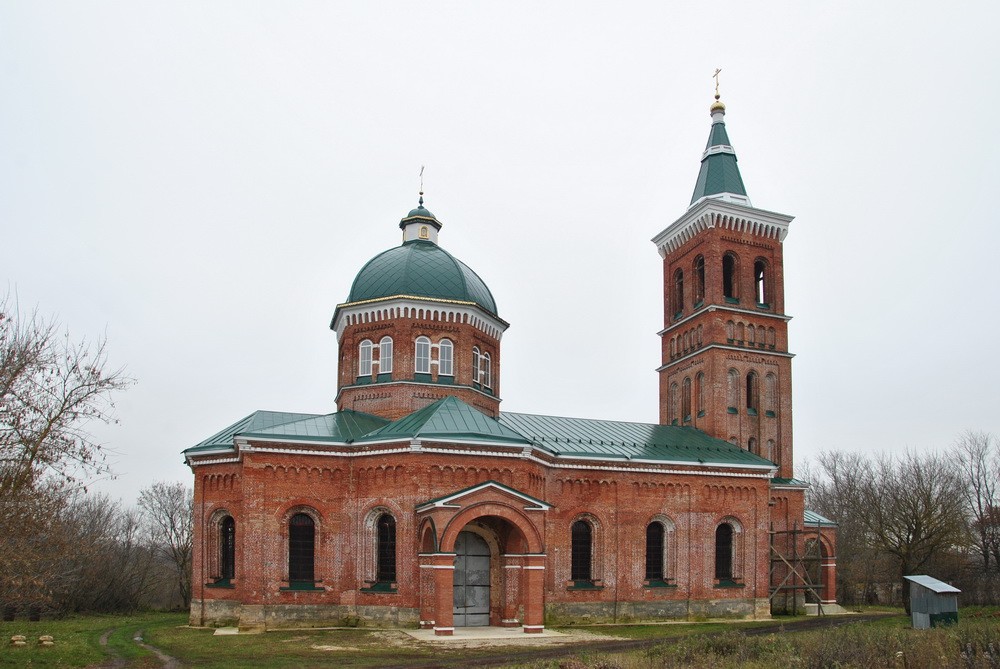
896 515
169 509
834 492
50 389
979 459
911 508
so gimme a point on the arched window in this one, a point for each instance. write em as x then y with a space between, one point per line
227 548
760 283
422 356
771 337
445 358
699 280
655 551
581 550
699 392
752 446
678 292
770 451
385 571
385 356
365 358
730 331
673 346
661 565
475 364
752 399
301 549
730 281
751 335
734 390
770 394
724 552
686 399
673 403
487 375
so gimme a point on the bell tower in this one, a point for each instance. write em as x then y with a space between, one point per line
726 367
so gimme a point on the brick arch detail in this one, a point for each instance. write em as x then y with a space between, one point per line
427 531
512 515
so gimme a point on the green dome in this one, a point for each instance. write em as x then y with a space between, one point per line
420 269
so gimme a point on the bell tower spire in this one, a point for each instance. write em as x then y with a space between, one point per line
719 177
726 366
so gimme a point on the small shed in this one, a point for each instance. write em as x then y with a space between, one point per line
932 602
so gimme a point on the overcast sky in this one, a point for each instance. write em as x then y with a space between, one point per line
201 182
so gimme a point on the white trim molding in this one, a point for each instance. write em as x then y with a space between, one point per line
714 213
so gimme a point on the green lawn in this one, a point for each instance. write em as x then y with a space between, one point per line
720 644
77 640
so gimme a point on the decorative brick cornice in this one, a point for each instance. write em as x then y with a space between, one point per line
712 213
486 449
452 312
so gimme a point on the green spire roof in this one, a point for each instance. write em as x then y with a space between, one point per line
719 172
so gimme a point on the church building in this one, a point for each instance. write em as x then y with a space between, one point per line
420 502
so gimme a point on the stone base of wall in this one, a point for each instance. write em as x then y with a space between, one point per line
625 612
222 613
219 613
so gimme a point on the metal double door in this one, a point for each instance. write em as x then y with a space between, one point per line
472 581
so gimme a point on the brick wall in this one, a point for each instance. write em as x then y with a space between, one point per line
263 490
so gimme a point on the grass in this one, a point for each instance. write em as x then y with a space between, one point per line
77 640
673 630
973 643
716 644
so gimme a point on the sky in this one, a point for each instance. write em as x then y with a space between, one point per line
200 182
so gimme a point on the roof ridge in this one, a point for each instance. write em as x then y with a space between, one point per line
596 420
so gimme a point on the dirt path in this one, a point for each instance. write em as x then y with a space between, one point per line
116 661
508 658
166 661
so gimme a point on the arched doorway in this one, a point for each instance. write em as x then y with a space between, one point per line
495 578
472 581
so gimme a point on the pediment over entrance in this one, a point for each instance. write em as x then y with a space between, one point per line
487 491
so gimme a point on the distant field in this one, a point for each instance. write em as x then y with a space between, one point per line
723 645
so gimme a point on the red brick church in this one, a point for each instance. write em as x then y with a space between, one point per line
420 502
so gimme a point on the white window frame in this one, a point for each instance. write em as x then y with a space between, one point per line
487 374
365 358
446 358
425 343
476 356
385 355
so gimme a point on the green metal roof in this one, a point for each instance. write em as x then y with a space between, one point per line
420 214
338 427
781 481
719 172
422 269
448 418
812 519
586 437
451 419
342 427
256 421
